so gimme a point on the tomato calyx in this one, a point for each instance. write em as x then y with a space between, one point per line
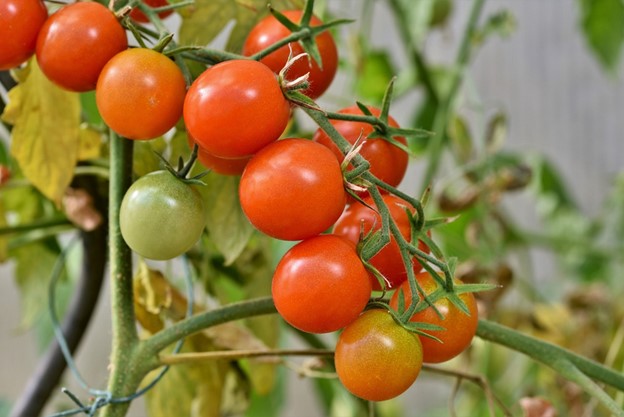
184 168
419 328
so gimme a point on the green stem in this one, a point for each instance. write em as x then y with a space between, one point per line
36 225
186 327
436 145
124 378
547 353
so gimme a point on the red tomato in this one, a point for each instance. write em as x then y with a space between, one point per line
292 189
5 174
269 30
377 359
76 42
223 166
140 93
320 285
235 108
459 327
20 22
387 161
138 16
360 218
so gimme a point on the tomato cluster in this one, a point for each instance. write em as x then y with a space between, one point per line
290 188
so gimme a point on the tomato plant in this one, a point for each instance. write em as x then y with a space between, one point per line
235 108
387 161
86 33
269 30
376 358
359 219
138 16
292 189
320 284
161 217
459 327
140 93
20 22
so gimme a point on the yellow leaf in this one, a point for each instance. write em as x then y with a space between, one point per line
90 145
205 19
46 134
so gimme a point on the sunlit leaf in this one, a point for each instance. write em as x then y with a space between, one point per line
90 146
603 26
206 19
228 227
45 135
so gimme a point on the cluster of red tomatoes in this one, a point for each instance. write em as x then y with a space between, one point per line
290 189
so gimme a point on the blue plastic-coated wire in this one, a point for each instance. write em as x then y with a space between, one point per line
102 398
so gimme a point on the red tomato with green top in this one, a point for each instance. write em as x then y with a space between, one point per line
459 327
269 30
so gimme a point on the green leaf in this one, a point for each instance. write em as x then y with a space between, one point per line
206 19
146 157
461 138
550 187
228 227
46 131
5 407
603 26
496 133
374 74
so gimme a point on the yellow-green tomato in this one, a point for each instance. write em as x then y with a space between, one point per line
161 216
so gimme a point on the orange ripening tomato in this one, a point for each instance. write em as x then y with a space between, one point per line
76 42
377 359
140 94
320 285
459 327
20 22
388 162
269 30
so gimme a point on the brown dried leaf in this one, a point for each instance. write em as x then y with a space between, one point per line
537 407
79 209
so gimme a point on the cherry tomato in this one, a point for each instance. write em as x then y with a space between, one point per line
320 285
358 218
140 93
235 108
459 327
138 16
387 161
76 42
292 189
269 30
20 22
377 359
161 217
223 166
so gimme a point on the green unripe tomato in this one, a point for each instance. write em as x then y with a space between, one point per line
161 216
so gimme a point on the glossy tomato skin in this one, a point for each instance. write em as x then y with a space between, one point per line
235 108
138 16
140 93
460 328
360 217
377 359
269 30
387 161
20 22
292 189
320 285
76 42
161 217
